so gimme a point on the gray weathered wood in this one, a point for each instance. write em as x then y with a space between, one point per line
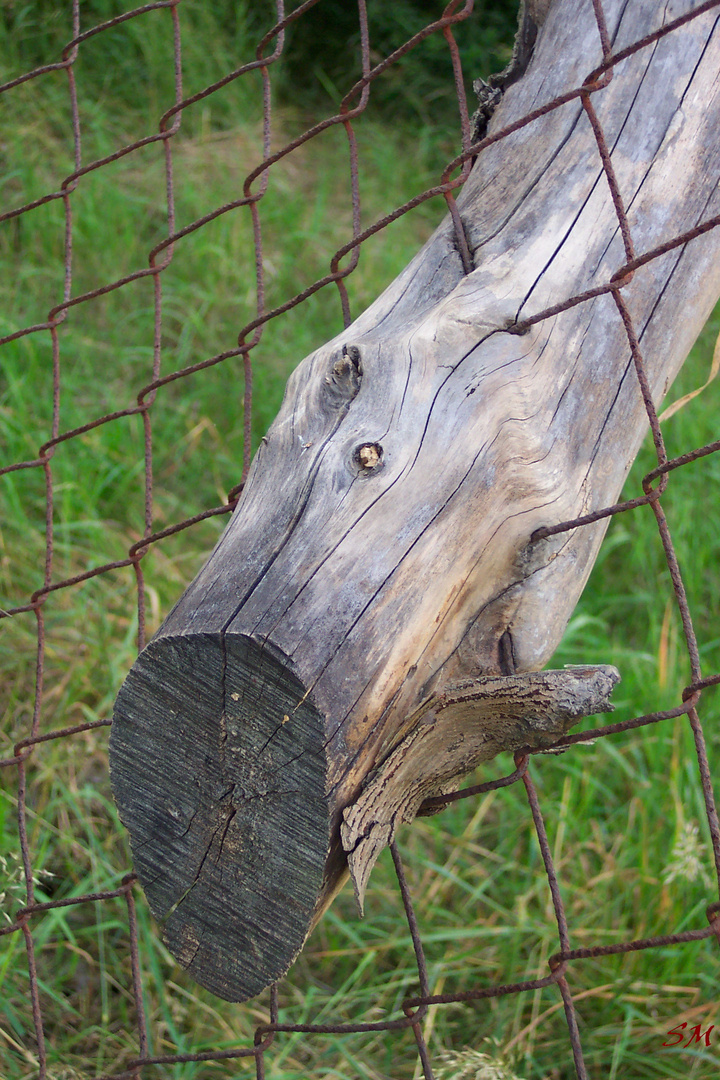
381 551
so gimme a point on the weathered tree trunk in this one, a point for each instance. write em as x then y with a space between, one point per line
377 586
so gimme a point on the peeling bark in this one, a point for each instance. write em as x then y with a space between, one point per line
455 731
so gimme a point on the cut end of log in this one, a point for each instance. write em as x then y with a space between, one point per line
218 770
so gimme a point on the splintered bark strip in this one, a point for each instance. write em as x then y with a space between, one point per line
381 552
453 732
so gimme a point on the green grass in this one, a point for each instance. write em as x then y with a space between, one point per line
614 810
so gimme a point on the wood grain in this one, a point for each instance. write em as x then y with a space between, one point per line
352 584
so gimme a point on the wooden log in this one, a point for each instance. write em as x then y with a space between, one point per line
381 554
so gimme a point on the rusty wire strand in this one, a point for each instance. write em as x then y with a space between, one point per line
561 920
254 187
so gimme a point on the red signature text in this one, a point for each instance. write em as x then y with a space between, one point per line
696 1035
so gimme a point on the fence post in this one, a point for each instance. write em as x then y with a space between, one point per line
395 539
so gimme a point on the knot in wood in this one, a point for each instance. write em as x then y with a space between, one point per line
344 378
348 364
369 456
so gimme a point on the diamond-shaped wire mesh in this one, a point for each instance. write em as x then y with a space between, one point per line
145 295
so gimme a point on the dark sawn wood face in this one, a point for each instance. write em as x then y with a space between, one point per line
218 770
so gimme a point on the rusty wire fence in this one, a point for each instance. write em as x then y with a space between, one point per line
25 756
